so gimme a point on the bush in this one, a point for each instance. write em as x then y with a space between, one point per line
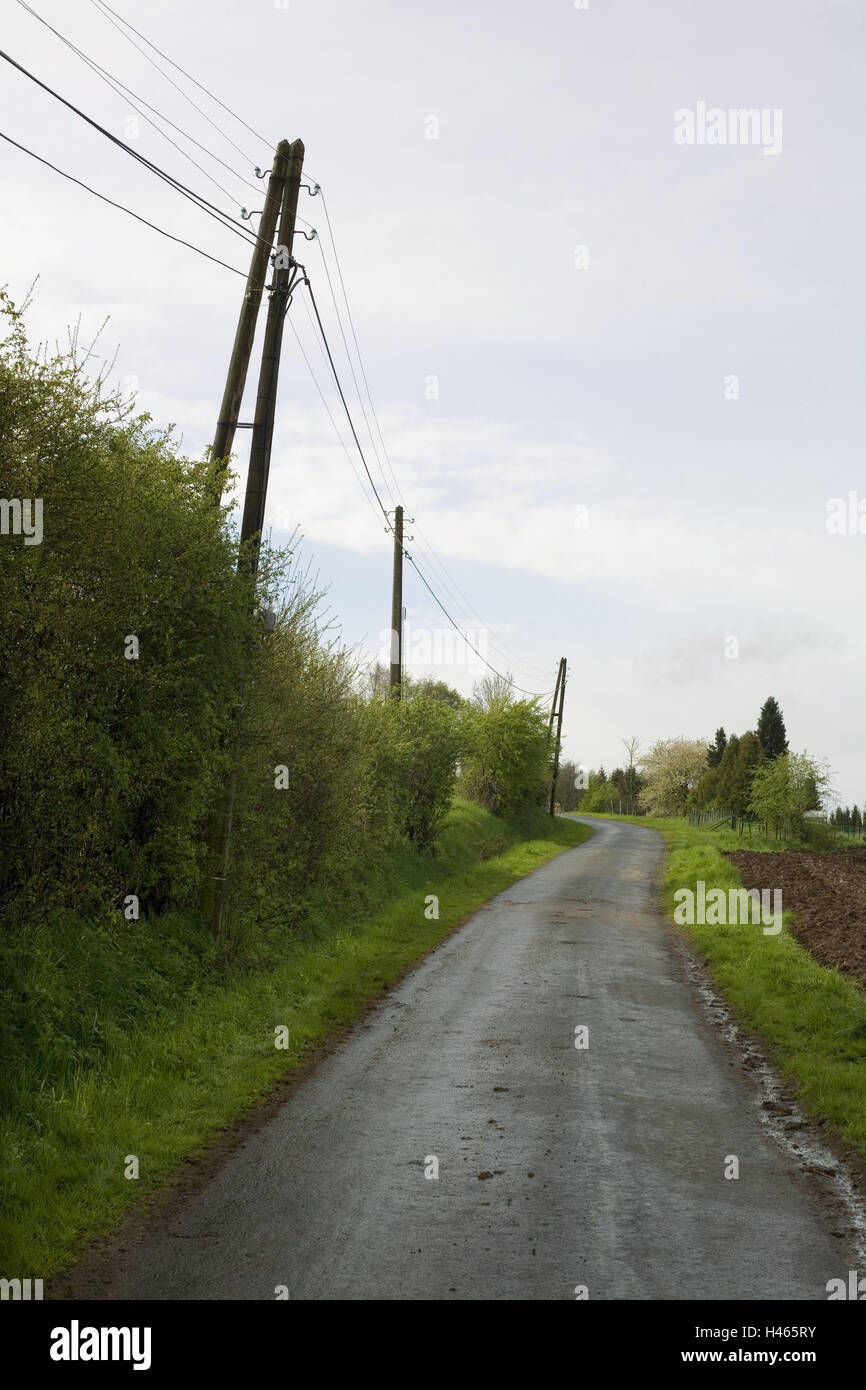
508 766
601 795
108 764
431 739
785 789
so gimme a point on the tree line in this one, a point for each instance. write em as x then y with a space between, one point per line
592 789
748 776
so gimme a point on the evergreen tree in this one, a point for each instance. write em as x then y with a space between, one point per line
771 730
722 790
704 794
716 750
750 755
568 795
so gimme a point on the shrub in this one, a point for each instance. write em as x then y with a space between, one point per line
508 766
431 737
784 789
108 764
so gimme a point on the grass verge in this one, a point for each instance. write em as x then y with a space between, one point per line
813 1018
679 834
179 1046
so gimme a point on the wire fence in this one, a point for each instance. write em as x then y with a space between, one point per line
851 829
714 819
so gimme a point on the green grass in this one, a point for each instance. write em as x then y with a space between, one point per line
678 833
148 1043
813 1018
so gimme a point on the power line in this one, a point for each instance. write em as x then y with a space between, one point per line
352 370
102 8
127 210
355 340
468 612
534 693
382 507
115 83
343 443
358 353
389 524
196 198
503 651
131 97
451 584
445 578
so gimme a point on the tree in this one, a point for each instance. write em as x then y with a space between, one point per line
785 788
704 794
750 756
568 794
727 786
507 768
376 680
671 769
722 786
716 749
602 794
431 738
438 690
632 777
771 730
491 689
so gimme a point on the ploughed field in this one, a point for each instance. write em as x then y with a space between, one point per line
827 894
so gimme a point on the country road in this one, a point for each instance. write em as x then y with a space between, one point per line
558 1166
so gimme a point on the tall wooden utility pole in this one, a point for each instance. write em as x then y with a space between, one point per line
555 696
246 329
561 686
266 400
397 608
213 902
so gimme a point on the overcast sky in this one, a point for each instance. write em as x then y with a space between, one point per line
648 352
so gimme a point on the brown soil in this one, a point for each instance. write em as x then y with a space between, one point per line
827 893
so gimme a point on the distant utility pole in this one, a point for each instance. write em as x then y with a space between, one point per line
560 684
555 696
289 159
397 608
246 329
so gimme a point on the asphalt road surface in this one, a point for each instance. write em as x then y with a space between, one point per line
559 1167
